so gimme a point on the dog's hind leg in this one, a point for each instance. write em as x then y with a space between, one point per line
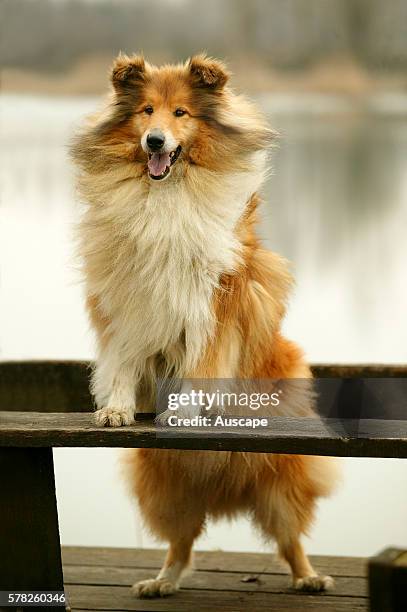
175 565
168 579
284 507
305 578
171 509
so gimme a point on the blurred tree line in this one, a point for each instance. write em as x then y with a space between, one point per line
55 34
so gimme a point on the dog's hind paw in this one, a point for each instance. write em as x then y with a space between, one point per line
313 584
156 587
114 417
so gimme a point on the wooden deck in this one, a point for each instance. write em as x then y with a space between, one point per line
100 579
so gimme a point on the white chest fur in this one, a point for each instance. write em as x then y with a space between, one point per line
154 259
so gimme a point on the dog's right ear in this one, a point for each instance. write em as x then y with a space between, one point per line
128 71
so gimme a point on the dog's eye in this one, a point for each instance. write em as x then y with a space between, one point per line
179 112
148 110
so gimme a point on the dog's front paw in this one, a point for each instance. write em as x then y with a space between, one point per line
156 587
114 417
162 419
313 584
184 412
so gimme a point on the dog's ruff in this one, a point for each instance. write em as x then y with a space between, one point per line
166 273
178 285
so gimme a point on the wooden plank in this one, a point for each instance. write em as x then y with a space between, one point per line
45 386
359 370
248 563
63 386
30 558
120 598
204 580
364 438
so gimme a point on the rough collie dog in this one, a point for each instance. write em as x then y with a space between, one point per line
178 285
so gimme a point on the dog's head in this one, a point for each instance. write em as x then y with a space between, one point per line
164 119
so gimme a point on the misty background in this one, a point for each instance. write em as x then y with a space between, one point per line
331 77
270 44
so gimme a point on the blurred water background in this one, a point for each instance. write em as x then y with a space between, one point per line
331 77
335 205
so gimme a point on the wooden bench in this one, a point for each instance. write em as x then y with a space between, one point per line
47 404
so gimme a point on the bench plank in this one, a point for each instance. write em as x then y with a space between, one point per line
309 436
63 386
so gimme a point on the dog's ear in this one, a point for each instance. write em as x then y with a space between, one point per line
127 71
207 72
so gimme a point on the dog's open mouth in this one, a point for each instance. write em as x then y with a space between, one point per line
159 164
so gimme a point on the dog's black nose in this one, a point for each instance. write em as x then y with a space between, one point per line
155 140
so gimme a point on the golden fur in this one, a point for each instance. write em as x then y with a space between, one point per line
179 285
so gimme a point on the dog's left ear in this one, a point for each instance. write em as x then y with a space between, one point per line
207 72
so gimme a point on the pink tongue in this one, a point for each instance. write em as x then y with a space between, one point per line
158 163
